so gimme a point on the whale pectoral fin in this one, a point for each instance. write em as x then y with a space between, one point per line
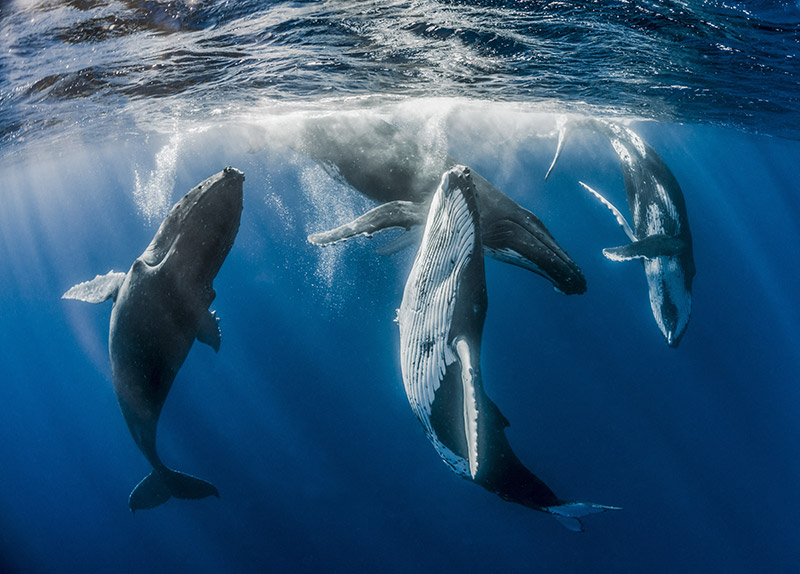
568 513
208 330
650 247
403 214
99 289
508 241
623 223
562 135
470 402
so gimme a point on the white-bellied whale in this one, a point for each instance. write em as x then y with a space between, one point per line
441 325
161 305
660 234
390 166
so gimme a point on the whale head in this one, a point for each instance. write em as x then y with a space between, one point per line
670 289
197 234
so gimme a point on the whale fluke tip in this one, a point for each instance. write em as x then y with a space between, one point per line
158 487
569 513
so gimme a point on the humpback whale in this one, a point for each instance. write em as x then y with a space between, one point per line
160 306
441 321
660 234
389 166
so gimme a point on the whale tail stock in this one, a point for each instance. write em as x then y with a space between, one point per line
159 486
569 513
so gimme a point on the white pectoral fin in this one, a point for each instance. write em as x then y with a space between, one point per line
99 289
623 223
470 403
562 134
650 247
208 330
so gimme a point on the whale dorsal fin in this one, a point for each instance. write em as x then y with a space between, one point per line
623 223
403 214
650 247
208 330
99 289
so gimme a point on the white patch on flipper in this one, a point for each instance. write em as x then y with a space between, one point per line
97 290
623 223
426 312
470 404
614 256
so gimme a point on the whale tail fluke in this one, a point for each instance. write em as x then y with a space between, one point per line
569 513
158 487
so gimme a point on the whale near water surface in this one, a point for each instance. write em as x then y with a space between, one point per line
392 167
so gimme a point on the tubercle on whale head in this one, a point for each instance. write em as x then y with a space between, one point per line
457 176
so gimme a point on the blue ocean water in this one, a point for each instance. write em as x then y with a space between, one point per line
111 110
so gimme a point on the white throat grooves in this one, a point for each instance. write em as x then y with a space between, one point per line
426 313
470 404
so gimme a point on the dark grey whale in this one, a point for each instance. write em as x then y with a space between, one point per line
160 308
660 235
441 322
391 167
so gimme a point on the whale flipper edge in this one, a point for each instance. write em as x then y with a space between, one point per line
623 223
402 214
99 289
650 247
